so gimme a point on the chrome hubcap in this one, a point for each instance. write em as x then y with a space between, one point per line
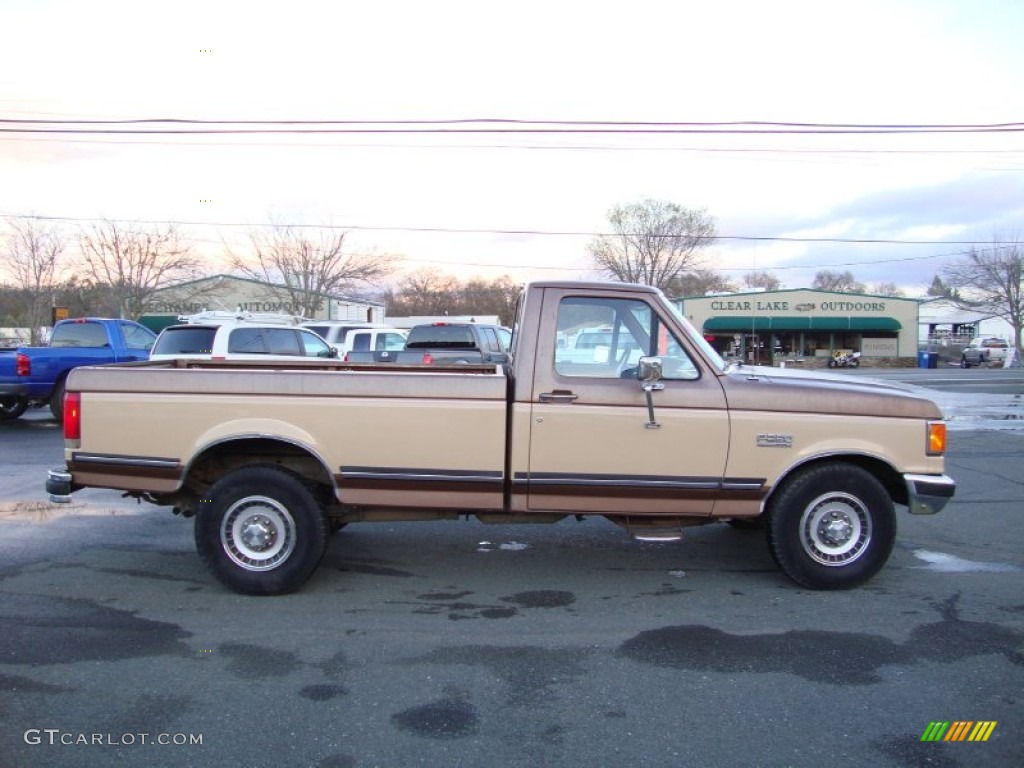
258 533
835 529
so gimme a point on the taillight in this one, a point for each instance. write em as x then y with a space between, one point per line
72 415
23 365
428 359
936 438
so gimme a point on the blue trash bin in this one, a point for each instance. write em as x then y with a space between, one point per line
933 359
923 359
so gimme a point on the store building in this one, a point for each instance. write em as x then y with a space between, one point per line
227 292
806 327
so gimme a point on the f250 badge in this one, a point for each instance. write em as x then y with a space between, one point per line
774 441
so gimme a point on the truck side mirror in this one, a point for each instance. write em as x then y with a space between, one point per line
649 369
649 372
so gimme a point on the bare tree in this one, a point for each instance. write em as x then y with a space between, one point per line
431 292
302 266
989 280
134 262
841 282
495 297
764 280
699 282
653 242
886 289
424 292
33 256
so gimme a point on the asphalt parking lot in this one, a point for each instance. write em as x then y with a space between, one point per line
456 643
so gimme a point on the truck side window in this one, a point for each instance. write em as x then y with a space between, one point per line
137 337
493 345
605 338
390 342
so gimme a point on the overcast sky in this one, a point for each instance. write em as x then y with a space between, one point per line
529 199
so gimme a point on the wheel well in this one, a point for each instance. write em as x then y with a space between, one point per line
217 460
884 472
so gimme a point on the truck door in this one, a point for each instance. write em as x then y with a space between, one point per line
593 446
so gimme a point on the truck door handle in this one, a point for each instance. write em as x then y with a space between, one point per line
558 396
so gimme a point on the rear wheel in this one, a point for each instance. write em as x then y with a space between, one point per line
831 526
261 531
57 401
12 407
964 363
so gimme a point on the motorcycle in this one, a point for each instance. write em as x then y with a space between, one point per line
844 360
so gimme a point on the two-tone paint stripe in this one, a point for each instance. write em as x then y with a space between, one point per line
410 479
554 483
129 466
643 486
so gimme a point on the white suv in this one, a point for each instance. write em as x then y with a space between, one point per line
239 336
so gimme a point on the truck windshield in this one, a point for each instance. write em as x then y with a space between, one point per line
698 339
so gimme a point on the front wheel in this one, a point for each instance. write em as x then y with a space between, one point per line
261 531
831 526
964 363
833 363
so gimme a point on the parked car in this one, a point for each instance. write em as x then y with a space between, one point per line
336 332
240 336
371 342
984 351
379 345
469 343
35 376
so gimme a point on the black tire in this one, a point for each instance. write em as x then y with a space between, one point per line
964 363
57 401
831 526
284 524
12 407
855 363
832 363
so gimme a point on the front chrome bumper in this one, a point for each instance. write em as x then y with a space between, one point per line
928 494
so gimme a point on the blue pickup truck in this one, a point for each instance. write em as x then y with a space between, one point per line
34 376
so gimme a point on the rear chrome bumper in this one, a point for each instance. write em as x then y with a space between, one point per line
58 485
928 494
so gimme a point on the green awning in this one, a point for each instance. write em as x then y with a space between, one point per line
157 323
742 323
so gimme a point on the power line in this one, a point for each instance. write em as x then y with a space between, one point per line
767 124
782 151
486 231
163 126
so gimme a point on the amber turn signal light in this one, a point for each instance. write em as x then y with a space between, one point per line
936 438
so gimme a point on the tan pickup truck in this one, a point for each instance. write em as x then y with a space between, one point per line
650 429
